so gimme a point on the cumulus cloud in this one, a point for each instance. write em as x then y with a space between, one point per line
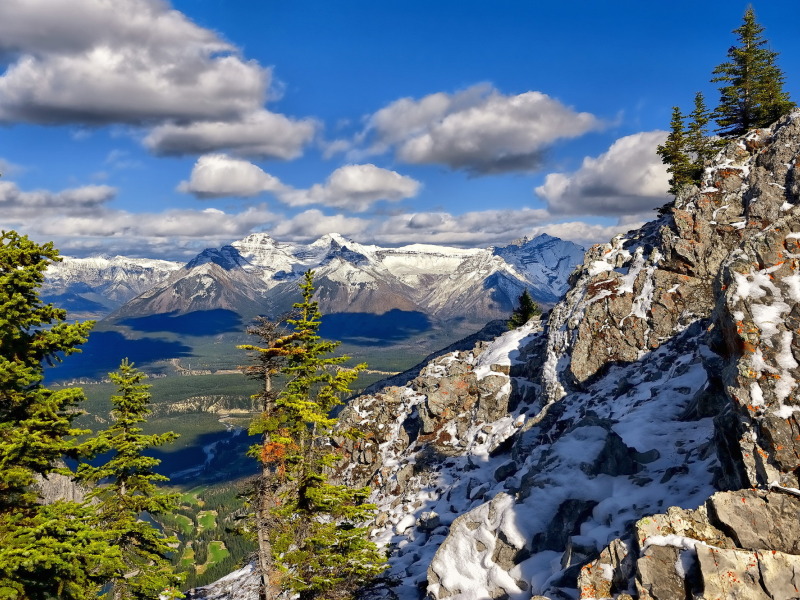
352 187
218 175
469 229
139 62
15 203
258 134
81 219
583 233
313 224
627 179
167 224
479 129
127 61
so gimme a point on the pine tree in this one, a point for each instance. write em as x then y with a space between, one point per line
526 309
773 101
752 93
126 488
700 146
673 154
320 540
46 551
268 361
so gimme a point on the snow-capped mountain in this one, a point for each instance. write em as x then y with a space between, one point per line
260 274
97 285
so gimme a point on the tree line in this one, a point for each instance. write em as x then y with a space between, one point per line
751 97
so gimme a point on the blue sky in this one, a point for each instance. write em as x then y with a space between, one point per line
155 129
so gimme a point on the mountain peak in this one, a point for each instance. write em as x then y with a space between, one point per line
255 239
329 238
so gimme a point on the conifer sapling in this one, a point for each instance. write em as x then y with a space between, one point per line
126 488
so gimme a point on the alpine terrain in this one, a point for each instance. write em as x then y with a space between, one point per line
95 286
259 275
641 440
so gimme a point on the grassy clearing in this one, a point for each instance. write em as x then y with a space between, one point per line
192 496
206 519
185 523
187 560
216 552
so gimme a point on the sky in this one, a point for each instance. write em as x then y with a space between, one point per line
156 129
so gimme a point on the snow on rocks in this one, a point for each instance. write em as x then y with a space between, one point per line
243 584
759 314
611 455
743 544
439 447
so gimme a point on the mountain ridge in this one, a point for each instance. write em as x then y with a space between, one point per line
439 281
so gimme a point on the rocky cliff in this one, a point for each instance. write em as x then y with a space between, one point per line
641 441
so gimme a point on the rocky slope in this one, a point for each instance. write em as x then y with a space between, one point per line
639 442
258 273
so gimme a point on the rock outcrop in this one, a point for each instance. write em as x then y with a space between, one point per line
639 442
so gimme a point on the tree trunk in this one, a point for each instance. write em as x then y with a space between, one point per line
264 548
262 511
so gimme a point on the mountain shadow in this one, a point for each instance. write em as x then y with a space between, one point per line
75 303
197 323
104 351
367 329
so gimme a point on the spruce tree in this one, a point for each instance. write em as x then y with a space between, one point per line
53 550
752 93
673 154
319 539
773 101
126 488
700 146
525 310
268 360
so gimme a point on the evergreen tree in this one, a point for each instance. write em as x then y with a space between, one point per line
127 488
773 101
525 310
752 93
319 540
46 551
700 146
673 154
269 360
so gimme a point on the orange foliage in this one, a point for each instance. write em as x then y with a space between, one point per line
273 452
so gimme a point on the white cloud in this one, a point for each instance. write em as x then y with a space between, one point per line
479 129
80 219
218 175
627 179
15 203
141 63
259 134
313 224
352 187
469 229
167 224
126 61
585 234
8 168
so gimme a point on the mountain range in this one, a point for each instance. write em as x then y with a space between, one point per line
259 275
95 286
